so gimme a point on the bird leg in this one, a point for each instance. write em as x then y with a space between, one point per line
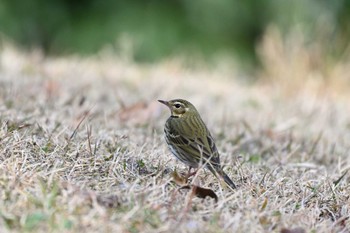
189 173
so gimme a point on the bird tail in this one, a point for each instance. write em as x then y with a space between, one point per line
218 172
228 181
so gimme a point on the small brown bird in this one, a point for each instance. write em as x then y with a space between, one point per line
190 140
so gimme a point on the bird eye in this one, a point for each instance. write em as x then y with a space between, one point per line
177 105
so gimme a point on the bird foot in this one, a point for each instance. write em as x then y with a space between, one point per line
189 174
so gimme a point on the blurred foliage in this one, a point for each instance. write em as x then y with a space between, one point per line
156 28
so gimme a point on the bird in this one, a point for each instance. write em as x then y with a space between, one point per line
189 139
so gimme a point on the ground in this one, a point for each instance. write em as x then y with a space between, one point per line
82 146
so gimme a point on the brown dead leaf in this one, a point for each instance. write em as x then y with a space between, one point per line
294 230
179 180
201 192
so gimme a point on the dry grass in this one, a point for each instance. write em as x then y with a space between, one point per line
82 148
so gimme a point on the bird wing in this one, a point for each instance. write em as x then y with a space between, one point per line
195 149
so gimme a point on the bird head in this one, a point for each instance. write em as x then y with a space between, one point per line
179 107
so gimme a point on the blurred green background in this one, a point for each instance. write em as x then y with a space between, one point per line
155 29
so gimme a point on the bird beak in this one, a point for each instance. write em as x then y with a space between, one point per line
164 102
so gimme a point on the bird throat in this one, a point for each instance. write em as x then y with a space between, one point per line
177 114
